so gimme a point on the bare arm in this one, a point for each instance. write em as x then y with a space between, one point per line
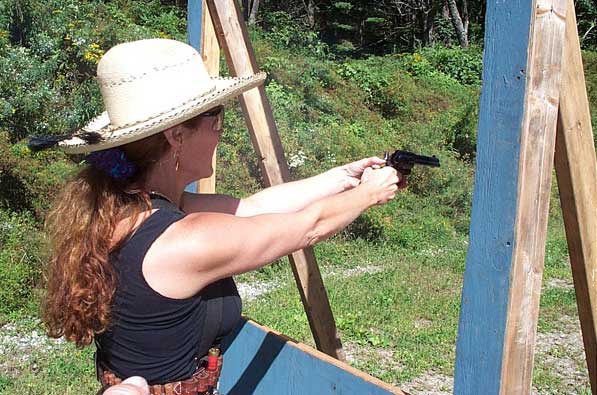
283 198
209 246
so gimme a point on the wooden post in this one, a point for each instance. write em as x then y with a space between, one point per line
518 114
194 12
233 38
210 52
576 169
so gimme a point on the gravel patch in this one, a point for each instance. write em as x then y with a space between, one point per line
254 289
430 383
355 271
18 342
558 283
562 354
385 357
251 290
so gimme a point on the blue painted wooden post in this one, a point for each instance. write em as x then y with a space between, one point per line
487 276
516 137
194 18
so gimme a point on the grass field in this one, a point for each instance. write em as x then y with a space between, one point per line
396 309
394 278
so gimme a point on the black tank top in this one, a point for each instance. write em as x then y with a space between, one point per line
154 336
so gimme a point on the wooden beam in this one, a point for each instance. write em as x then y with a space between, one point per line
233 38
536 168
261 361
500 298
576 170
210 52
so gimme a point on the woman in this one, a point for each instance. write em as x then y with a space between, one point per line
143 268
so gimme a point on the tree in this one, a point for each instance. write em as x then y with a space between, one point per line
461 31
250 8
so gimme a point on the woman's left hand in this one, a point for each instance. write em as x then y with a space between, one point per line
355 169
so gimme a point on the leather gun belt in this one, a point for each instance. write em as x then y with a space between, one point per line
198 384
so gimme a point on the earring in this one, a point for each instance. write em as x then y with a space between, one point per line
177 163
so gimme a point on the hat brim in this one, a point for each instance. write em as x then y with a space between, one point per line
100 134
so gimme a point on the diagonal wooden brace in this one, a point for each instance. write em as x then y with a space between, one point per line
233 39
576 170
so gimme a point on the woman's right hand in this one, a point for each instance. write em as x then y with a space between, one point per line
132 386
382 183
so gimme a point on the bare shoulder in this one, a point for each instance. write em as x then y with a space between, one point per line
175 264
198 236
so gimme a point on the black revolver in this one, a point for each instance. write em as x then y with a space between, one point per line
404 161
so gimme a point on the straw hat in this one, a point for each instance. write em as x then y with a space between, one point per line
148 86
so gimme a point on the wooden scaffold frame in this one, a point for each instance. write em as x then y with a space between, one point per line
534 112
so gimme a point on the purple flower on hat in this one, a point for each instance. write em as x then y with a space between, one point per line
113 162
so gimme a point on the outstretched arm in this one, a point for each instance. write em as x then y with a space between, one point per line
204 247
283 198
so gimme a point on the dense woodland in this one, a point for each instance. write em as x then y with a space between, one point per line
346 79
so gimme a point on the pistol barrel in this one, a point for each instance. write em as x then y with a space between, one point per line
399 158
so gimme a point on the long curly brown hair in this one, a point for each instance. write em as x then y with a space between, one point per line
80 280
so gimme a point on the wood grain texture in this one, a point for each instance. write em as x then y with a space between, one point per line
210 53
523 49
315 301
233 39
260 361
576 170
481 329
536 167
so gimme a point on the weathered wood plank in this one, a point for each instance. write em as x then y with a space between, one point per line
210 53
260 361
536 168
233 38
576 170
508 225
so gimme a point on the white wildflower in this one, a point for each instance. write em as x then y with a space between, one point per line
297 160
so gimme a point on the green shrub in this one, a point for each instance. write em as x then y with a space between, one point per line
285 31
26 93
590 66
372 80
46 84
464 65
446 65
29 181
21 259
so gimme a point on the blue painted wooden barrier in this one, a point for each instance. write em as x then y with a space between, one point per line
259 361
194 20
479 350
